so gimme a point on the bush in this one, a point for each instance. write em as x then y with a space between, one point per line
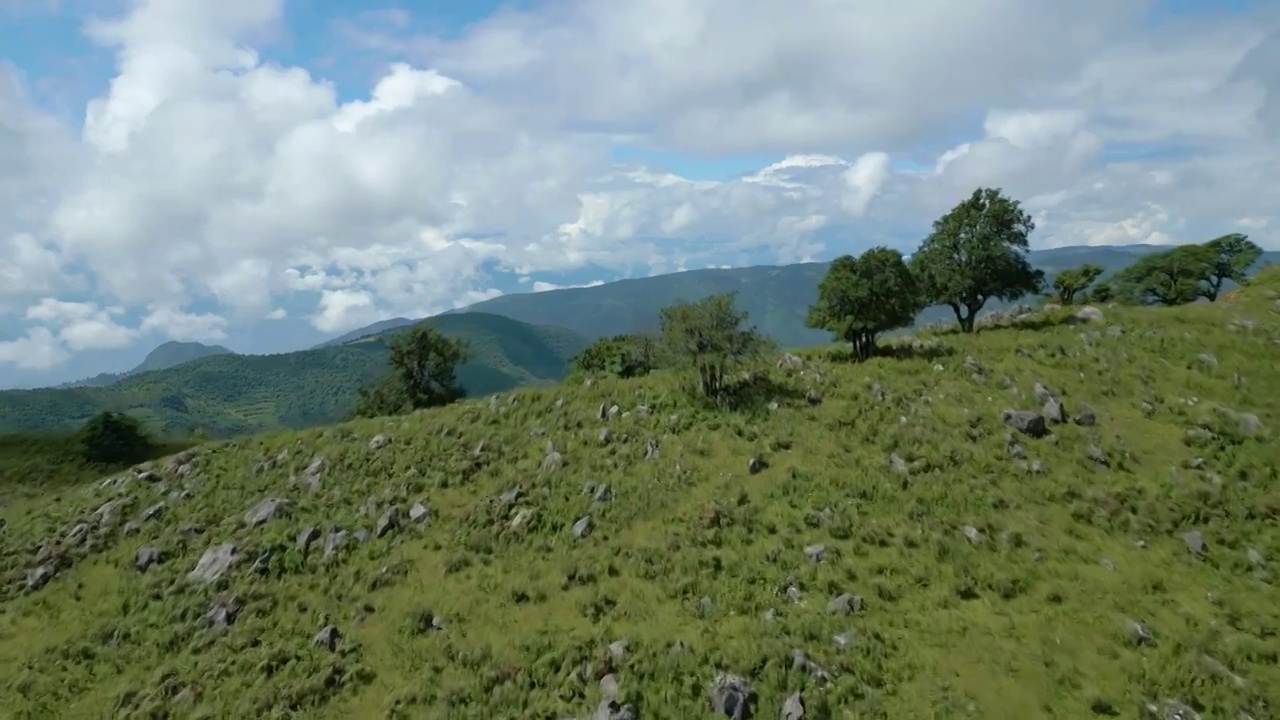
113 438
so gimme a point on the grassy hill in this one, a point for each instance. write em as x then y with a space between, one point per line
165 356
898 550
229 393
777 297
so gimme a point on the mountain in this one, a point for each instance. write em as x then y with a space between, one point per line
374 329
877 538
167 355
776 297
230 393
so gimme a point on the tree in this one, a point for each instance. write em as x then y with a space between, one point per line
865 296
1101 293
624 356
707 336
1233 255
976 253
113 438
421 374
1070 283
1173 277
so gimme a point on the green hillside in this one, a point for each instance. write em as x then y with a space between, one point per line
869 540
166 355
229 393
777 297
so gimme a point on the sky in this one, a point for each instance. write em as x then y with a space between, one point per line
267 174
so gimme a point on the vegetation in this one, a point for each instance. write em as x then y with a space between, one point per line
1232 257
1186 273
622 356
112 438
881 539
422 374
865 296
229 394
708 338
1069 284
975 253
166 355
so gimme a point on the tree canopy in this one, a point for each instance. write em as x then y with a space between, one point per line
1173 277
422 373
708 337
976 252
113 438
1232 256
865 296
1070 283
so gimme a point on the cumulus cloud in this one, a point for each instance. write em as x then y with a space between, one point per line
209 175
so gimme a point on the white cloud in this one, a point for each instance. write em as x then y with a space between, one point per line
37 350
205 176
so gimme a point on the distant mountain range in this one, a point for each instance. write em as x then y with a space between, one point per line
165 356
226 393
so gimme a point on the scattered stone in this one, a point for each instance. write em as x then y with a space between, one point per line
1207 359
314 473
1089 313
732 697
327 638
1054 411
582 527
362 535
307 536
214 563
609 686
756 465
651 449
1147 409
1171 710
1195 542
1027 422
898 465
1255 558
1138 632
973 534
605 435
790 362
801 662
378 442
389 521
335 541
552 462
222 612
816 553
264 511
603 493
618 650
145 558
39 576
418 513
845 604
1095 453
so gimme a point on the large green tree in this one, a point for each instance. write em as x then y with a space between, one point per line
1173 277
1068 284
865 296
976 252
113 438
1233 255
709 338
421 374
624 356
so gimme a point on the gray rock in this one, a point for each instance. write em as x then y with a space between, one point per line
756 465
1255 558
39 576
651 449
603 493
1138 632
1207 359
1026 422
582 527
378 442
605 435
1042 394
307 536
552 462
314 473
145 558
609 686
389 521
362 535
335 541
1095 453
1195 542
793 708
222 612
418 513
898 465
732 697
815 552
214 563
1089 313
327 638
1054 411
973 534
609 709
264 511
618 650
845 604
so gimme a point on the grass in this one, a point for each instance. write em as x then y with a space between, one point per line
692 551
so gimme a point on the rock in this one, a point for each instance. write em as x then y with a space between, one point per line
307 536
335 541
603 493
815 553
362 535
327 638
222 612
609 709
418 513
1089 313
145 558
39 576
732 697
1171 710
1042 393
605 435
1139 633
582 527
973 534
264 511
618 650
1255 558
214 563
651 449
756 465
552 462
1195 542
1085 416
378 442
1029 423
1095 453
314 473
898 465
845 604
389 521
1054 411
790 362
1207 359
609 686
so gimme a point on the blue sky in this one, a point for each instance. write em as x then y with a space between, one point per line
462 153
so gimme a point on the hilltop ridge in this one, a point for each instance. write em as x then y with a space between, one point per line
878 540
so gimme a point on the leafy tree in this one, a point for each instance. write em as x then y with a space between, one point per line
1233 255
422 370
113 438
707 336
1173 277
1101 293
865 296
1070 283
624 356
976 253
